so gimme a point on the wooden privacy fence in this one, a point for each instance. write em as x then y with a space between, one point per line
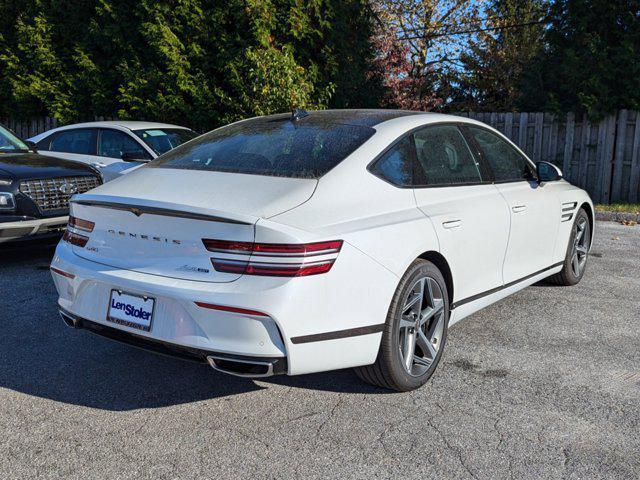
33 126
28 128
602 157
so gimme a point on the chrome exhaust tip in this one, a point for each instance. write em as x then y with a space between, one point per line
70 321
241 368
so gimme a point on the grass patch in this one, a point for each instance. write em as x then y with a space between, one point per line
620 207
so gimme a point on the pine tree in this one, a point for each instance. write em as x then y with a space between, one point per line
200 63
590 63
498 58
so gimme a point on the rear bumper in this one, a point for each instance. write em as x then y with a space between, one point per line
220 361
317 323
23 230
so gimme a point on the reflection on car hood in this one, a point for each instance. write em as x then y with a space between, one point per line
33 165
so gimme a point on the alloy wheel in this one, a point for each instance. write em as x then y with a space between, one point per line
580 247
422 323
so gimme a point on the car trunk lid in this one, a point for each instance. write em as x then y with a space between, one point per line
160 230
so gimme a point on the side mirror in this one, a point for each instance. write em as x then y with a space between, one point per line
32 146
547 172
131 157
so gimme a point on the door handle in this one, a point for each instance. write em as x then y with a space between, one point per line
452 223
518 208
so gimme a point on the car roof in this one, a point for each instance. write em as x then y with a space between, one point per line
380 119
363 117
129 124
424 118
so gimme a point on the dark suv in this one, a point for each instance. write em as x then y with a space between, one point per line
35 189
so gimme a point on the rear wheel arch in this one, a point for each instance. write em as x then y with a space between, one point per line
439 261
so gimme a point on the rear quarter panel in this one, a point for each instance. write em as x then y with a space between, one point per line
379 219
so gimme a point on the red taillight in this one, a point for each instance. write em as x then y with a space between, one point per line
273 249
244 248
75 239
271 269
225 308
275 268
79 224
76 225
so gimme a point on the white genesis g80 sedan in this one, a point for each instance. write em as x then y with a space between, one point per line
313 241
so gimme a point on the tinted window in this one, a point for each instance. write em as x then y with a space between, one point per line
507 163
73 141
161 140
445 157
307 148
9 142
45 143
397 164
114 144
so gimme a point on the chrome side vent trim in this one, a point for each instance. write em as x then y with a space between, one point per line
568 209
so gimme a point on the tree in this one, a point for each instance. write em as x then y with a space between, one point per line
499 55
199 63
590 63
418 47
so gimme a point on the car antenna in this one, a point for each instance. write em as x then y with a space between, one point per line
298 114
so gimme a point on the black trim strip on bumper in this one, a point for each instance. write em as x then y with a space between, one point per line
165 348
502 287
351 332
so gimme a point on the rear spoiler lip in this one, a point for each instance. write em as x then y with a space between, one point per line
139 210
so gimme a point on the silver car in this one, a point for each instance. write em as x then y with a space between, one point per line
113 147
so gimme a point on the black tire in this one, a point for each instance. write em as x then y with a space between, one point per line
389 370
568 276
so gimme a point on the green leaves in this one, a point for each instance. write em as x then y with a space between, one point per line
589 63
277 83
193 62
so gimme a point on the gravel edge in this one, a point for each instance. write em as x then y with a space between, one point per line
617 216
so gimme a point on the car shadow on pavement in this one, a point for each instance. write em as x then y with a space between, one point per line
76 367
17 253
40 356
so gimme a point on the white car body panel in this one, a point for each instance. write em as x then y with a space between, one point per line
251 195
321 322
472 224
530 249
464 310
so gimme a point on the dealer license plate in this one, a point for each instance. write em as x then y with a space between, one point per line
135 311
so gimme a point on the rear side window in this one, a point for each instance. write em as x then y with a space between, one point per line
80 141
507 163
445 157
307 148
397 165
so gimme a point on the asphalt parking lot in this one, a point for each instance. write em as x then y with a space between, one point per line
544 384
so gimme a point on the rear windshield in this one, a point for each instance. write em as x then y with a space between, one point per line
306 148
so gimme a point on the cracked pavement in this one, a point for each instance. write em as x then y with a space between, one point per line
544 384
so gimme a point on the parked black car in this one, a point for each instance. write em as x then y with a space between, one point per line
35 189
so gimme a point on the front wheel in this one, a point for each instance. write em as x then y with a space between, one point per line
575 262
415 332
